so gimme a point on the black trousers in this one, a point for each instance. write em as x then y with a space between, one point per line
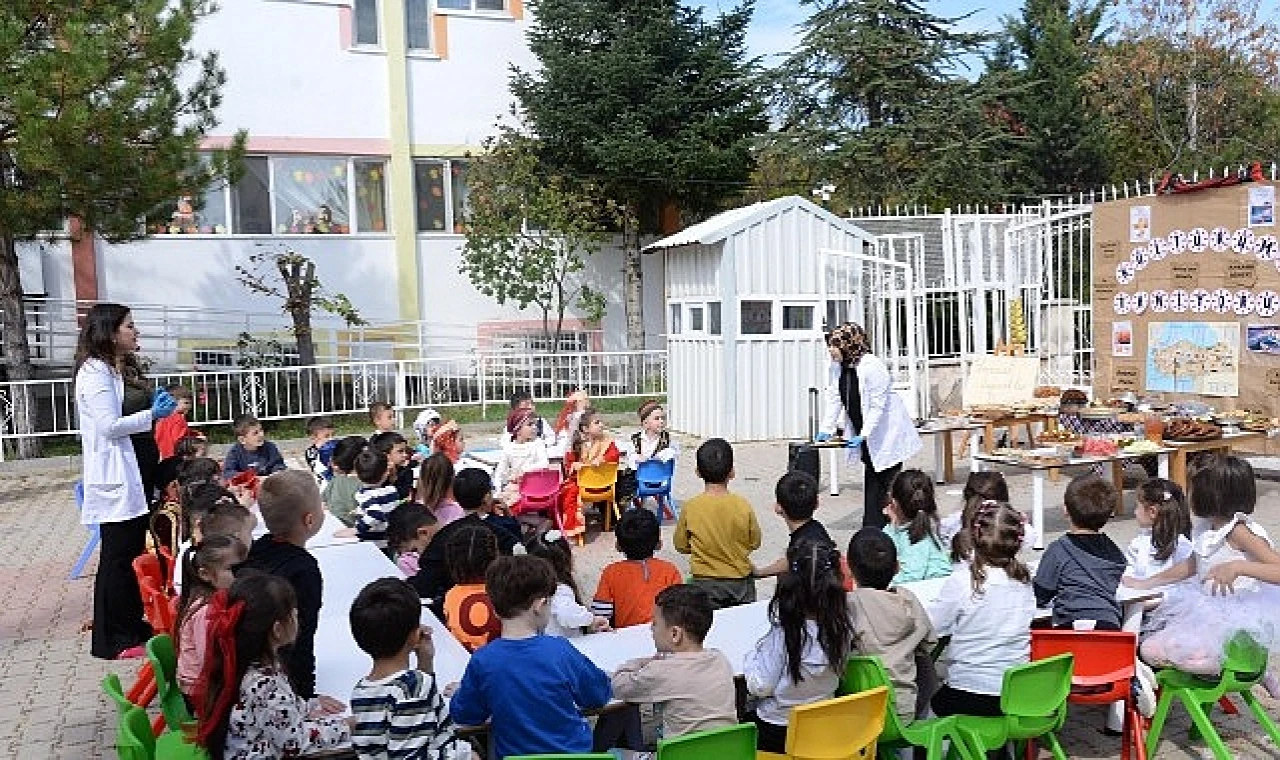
949 701
875 491
118 622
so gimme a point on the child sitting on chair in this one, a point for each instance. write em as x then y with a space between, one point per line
592 446
524 452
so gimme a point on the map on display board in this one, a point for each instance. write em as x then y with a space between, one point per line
1194 357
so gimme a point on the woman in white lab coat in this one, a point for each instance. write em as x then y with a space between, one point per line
861 401
114 497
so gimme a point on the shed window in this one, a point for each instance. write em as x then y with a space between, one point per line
797 317
713 317
677 311
695 319
757 317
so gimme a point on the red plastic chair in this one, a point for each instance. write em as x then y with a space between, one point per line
157 606
539 492
1105 663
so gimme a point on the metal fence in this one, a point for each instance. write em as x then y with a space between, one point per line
282 393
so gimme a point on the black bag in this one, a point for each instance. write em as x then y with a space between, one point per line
803 456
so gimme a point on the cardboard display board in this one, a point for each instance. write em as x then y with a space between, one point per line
1001 380
1186 297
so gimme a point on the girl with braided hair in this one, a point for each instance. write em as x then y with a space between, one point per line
468 612
801 658
986 606
246 706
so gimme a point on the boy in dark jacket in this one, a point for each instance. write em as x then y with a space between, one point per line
1080 572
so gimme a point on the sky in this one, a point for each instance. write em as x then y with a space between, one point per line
773 28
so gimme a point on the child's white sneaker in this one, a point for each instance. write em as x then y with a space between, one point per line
1145 690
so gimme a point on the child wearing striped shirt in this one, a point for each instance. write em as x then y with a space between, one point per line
398 711
375 501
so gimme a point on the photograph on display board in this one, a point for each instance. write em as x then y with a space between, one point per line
1263 339
1140 224
1262 206
1194 357
1122 339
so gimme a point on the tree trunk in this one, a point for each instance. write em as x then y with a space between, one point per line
299 279
17 351
633 278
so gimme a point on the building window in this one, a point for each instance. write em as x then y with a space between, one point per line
371 196
837 314
441 189
695 319
677 316
472 5
417 24
365 33
713 317
251 198
311 196
756 317
797 317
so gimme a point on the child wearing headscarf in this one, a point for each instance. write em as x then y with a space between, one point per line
524 452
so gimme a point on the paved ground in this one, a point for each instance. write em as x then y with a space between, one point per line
51 705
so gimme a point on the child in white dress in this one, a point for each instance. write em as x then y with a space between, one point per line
525 452
568 615
1193 624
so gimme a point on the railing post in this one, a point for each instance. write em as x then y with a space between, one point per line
484 386
402 392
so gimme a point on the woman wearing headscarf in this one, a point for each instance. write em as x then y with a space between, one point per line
117 408
861 401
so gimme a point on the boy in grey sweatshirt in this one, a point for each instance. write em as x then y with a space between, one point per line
1079 573
890 623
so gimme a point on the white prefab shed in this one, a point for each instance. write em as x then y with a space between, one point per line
748 292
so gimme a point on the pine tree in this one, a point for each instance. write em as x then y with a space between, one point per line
102 109
872 96
651 102
1049 52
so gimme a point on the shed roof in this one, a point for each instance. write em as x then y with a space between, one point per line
726 223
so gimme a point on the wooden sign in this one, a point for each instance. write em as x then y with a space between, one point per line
1186 275
1242 274
1126 377
1001 380
1109 250
1273 380
1105 291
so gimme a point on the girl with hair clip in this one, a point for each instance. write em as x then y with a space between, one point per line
247 709
984 485
1164 529
986 607
1193 624
913 526
207 568
592 446
801 659
568 614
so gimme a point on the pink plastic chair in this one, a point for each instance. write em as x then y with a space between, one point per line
539 492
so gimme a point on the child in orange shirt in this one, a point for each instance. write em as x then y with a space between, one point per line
468 613
592 446
627 588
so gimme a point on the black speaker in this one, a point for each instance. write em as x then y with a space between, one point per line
804 457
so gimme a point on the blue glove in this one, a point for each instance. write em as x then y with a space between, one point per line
162 404
422 449
854 442
822 437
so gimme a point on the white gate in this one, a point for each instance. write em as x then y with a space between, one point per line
879 292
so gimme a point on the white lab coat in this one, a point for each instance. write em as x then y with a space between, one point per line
112 484
890 433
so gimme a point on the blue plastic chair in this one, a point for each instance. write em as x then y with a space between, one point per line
653 479
94 535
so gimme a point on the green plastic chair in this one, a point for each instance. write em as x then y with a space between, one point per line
728 743
1243 667
133 735
170 745
1033 698
164 663
862 673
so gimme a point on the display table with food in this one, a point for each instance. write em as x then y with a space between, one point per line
1187 437
1092 450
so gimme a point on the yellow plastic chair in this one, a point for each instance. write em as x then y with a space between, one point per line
600 484
843 728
